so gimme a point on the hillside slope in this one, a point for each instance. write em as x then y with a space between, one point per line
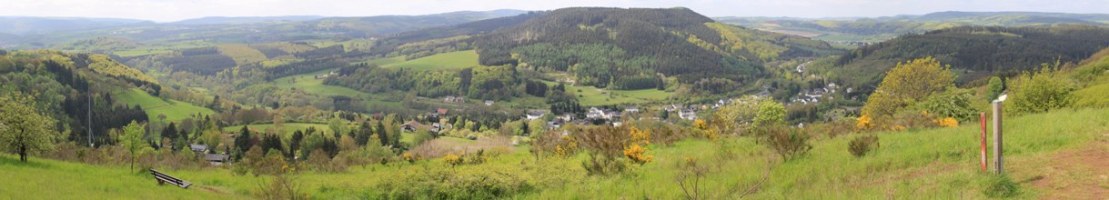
976 52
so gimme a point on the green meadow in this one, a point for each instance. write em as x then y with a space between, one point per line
173 110
939 163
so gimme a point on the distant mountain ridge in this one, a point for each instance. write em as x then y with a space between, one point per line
19 25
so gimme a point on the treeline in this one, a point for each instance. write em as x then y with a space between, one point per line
302 67
490 83
67 93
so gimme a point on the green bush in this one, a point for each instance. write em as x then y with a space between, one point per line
860 146
789 143
1041 91
952 103
1000 187
446 184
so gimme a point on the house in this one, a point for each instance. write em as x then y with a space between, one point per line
555 124
610 115
488 102
410 126
631 109
688 114
534 114
566 117
442 112
436 127
199 148
217 159
454 99
594 113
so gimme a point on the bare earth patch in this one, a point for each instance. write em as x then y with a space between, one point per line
1081 173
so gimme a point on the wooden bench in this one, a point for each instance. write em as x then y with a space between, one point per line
166 178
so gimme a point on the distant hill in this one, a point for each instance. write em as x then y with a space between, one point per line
244 20
43 25
619 47
977 52
854 32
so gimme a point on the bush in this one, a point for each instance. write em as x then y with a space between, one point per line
952 104
789 143
1000 186
445 184
862 145
281 187
1041 91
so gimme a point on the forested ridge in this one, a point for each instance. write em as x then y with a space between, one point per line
977 52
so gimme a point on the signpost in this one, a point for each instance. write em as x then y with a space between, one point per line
998 158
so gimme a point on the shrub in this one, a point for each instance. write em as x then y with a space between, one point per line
1041 91
862 145
950 104
453 160
947 122
638 154
452 184
905 84
281 187
690 176
789 143
1000 186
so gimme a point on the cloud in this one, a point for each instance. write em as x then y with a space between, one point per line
172 10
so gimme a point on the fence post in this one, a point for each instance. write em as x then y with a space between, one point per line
997 151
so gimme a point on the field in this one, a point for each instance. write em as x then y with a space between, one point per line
592 96
1057 155
452 60
154 106
288 128
309 83
49 179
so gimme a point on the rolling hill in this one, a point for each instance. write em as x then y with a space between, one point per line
976 52
853 32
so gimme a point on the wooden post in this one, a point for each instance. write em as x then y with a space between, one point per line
982 119
997 142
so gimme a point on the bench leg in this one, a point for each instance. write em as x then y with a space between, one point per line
160 182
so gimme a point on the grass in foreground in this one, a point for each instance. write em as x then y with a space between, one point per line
49 179
922 164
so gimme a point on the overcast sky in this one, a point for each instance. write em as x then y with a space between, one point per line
173 10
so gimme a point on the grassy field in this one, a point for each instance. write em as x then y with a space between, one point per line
154 106
592 96
49 179
1052 155
452 60
309 83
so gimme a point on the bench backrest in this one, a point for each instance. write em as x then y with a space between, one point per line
165 177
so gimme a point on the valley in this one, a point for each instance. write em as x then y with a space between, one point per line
566 103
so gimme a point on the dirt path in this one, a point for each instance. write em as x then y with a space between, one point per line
1081 173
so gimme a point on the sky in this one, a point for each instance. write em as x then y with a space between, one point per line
174 10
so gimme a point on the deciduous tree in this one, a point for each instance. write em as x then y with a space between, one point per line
23 128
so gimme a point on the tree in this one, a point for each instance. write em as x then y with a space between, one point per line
132 140
170 132
994 88
24 128
242 141
906 83
770 113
